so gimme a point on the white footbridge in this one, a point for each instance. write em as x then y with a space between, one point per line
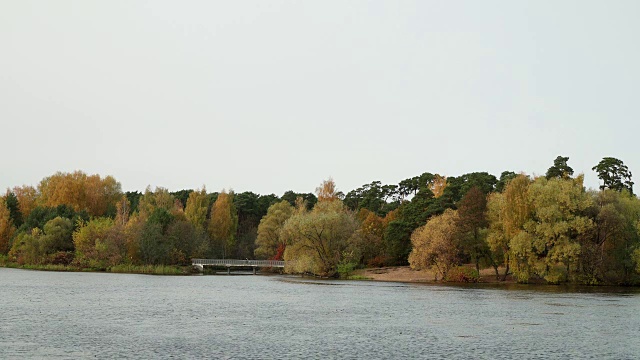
229 263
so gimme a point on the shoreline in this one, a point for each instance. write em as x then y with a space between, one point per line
119 269
392 274
405 274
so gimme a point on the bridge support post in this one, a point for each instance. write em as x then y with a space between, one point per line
228 270
254 270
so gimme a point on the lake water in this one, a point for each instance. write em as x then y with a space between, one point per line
114 316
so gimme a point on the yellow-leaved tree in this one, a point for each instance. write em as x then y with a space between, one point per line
507 213
269 243
438 185
320 240
550 246
223 224
327 191
197 207
434 244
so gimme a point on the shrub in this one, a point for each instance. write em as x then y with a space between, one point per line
61 258
462 274
345 269
556 275
378 261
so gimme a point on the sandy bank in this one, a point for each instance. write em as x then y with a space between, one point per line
406 274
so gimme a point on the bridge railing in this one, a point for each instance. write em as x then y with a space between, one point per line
236 262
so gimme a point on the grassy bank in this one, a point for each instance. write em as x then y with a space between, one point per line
121 269
151 269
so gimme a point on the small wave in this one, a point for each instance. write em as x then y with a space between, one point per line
562 305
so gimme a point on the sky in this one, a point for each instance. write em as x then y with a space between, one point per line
270 96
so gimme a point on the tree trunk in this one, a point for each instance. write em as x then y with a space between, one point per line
506 270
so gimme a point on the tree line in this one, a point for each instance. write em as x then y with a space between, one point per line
548 228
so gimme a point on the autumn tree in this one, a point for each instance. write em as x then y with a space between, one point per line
101 194
6 228
327 191
100 243
434 244
471 225
372 228
158 199
269 243
27 199
197 207
319 240
438 185
223 223
92 193
549 246
123 210
507 214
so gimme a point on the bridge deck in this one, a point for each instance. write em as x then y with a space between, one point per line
234 262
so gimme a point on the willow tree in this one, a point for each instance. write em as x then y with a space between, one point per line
551 245
507 213
223 223
269 243
319 240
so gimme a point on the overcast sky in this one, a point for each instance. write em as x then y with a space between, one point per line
268 96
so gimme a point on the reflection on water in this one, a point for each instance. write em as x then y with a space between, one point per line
87 315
